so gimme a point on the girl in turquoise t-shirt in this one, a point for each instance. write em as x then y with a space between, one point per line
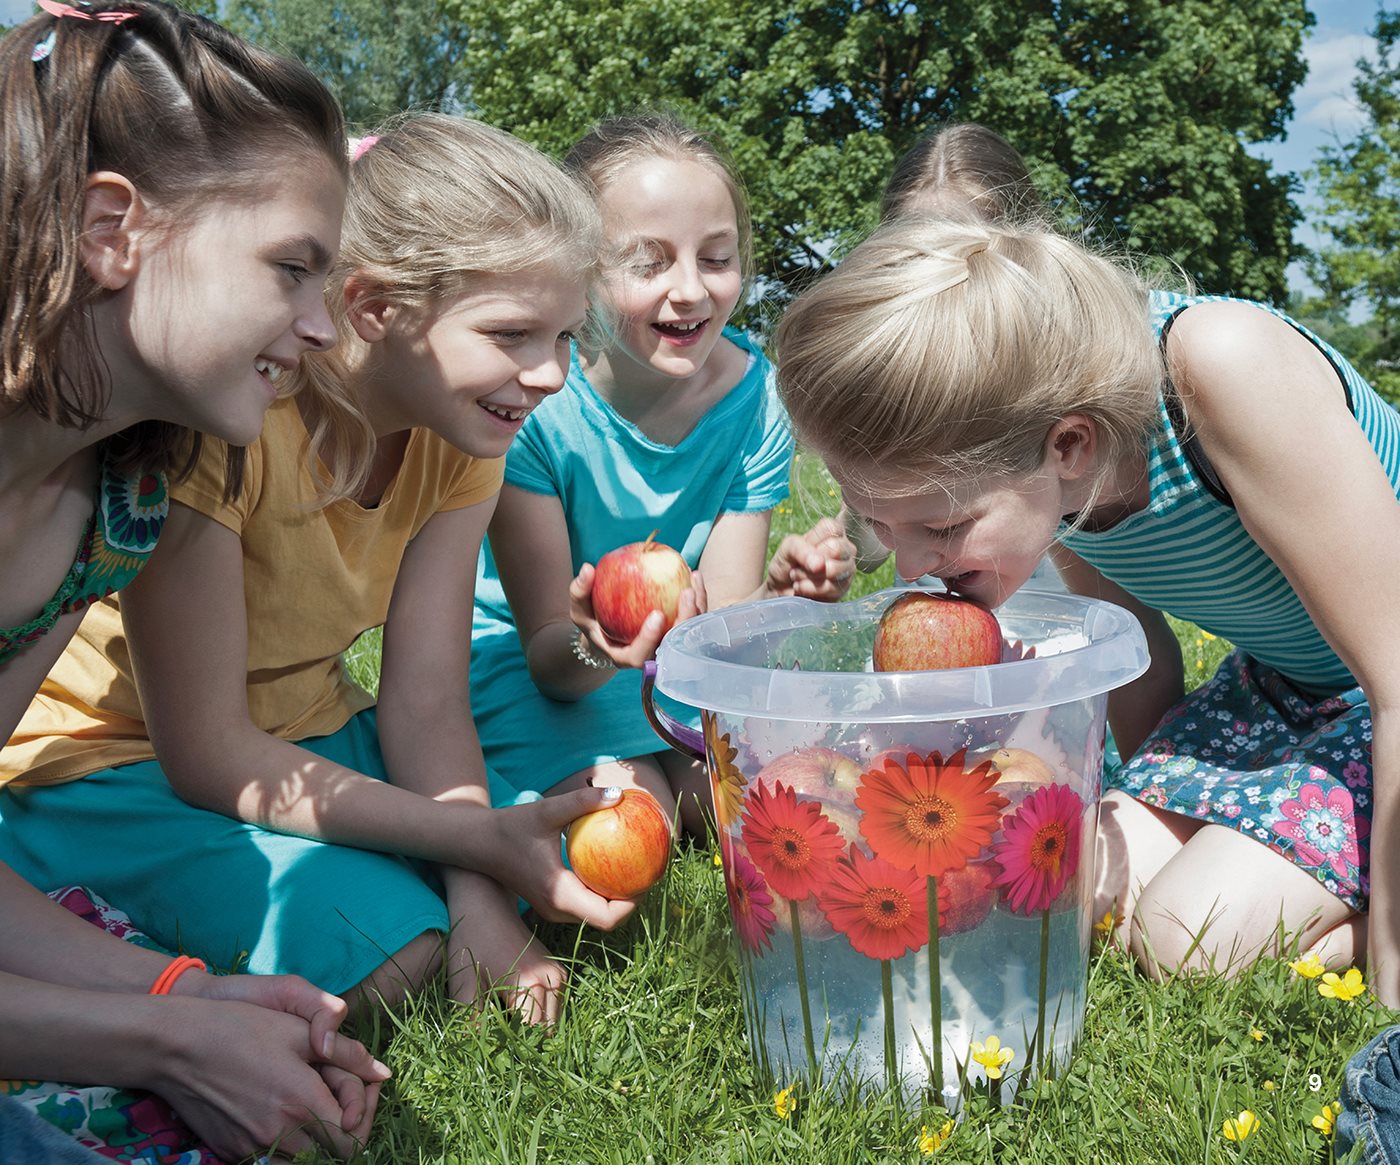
669 424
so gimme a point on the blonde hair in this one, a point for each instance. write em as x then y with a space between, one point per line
964 169
435 203
941 352
611 146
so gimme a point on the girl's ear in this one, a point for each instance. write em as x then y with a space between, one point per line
112 212
1071 446
369 311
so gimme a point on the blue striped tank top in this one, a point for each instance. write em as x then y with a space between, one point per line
1188 553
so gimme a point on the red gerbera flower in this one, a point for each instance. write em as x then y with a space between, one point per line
879 907
929 815
1039 849
791 842
750 904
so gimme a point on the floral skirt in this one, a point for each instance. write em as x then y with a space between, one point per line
116 1124
1248 750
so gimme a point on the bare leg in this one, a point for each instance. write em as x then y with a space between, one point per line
1224 900
1134 842
390 982
690 784
638 772
1344 945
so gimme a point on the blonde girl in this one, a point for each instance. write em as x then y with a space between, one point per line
668 424
301 825
983 393
171 203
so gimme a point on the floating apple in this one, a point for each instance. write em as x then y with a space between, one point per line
822 774
970 895
928 630
631 582
1016 765
622 849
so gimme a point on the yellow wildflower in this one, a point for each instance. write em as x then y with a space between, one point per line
1326 1121
930 1143
992 1056
1269 1085
1344 987
1256 1034
784 1103
1105 926
1236 1128
1309 966
718 860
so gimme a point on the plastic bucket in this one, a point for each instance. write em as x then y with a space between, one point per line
909 855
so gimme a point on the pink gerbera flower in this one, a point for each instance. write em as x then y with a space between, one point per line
1039 848
750 903
1322 827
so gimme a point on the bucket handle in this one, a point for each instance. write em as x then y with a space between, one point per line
679 736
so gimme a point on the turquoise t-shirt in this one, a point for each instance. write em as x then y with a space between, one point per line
616 486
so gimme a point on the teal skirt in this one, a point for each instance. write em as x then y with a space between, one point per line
238 896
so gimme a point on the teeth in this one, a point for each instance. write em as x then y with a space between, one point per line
684 329
269 369
508 414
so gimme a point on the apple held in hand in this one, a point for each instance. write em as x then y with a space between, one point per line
620 850
927 630
631 582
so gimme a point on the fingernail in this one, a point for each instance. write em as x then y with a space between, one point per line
327 1042
612 793
383 1069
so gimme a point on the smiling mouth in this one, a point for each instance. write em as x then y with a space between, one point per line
681 331
268 369
504 413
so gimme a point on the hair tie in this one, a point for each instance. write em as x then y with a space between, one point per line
950 267
360 148
59 10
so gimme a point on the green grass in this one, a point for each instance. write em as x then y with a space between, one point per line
650 1063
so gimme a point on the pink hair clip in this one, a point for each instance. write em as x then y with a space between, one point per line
361 147
59 10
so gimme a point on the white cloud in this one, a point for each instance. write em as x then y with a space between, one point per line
1325 99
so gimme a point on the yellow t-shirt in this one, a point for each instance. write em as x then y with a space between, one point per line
314 579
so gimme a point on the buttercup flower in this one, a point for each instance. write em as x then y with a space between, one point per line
791 842
1256 1034
992 1056
1325 1122
1269 1085
1105 926
784 1103
929 815
877 905
1309 966
727 779
1039 849
750 904
1236 1128
931 1142
1344 987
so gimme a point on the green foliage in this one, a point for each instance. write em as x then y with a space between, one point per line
1359 213
1134 114
378 58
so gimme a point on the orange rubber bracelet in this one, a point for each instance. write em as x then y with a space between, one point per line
178 966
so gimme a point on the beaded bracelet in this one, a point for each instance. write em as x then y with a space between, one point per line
178 966
583 652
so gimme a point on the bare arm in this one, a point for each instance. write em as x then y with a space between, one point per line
21 676
1273 420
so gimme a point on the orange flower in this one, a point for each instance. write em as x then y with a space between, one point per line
876 905
1039 850
725 776
929 815
791 842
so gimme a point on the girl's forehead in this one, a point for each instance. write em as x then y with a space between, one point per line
911 498
651 195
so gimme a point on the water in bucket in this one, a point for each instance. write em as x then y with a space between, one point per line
908 855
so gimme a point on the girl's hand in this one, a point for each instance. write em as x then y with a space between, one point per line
323 1011
816 565
643 647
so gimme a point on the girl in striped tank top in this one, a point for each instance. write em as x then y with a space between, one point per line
985 392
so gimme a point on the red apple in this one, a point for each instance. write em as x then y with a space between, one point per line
622 849
927 630
631 582
822 774
970 897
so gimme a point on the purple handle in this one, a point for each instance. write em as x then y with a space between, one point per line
679 736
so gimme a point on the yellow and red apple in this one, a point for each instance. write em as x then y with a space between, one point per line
622 849
631 582
929 630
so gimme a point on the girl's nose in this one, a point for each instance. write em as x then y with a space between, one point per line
687 286
315 329
546 374
914 559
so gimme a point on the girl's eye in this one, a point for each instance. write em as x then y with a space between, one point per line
949 531
507 336
718 263
566 338
297 271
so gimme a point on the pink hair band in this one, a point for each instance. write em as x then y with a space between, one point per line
57 9
362 146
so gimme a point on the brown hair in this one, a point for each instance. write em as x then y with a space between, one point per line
959 169
185 110
948 349
434 203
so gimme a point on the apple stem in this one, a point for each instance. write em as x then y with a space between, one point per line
650 538
935 989
802 991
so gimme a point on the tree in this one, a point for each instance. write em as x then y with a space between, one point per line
377 56
1358 183
1134 114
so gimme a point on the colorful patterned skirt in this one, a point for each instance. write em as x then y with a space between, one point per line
1250 751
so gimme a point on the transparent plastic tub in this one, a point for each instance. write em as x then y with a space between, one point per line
908 855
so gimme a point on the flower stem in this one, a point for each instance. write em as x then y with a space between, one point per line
891 1054
802 991
1044 970
935 990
